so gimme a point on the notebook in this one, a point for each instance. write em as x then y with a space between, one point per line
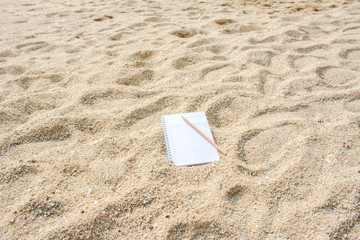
184 145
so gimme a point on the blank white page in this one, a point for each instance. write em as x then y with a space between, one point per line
184 145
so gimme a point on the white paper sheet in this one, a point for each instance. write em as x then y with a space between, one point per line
184 145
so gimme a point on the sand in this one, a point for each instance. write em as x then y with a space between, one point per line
83 86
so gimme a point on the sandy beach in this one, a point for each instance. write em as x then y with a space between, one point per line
83 86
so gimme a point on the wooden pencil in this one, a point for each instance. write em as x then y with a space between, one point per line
202 134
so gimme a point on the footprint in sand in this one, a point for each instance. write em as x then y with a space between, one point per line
351 54
12 70
18 173
224 21
262 58
235 193
260 146
184 62
142 55
335 76
264 40
136 79
186 32
146 111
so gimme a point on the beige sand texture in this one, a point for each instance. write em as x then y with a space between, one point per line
83 86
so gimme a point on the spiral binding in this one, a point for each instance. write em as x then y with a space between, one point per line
166 139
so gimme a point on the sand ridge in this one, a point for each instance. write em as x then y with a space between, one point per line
84 84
